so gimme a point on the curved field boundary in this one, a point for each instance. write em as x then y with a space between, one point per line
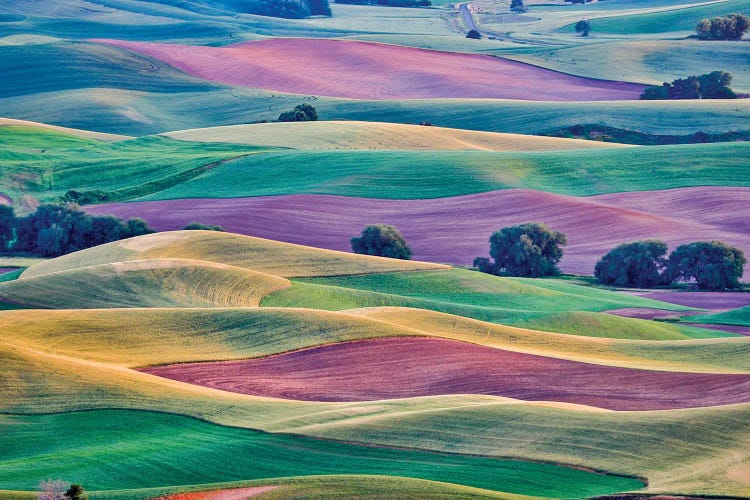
455 230
360 70
372 370
374 136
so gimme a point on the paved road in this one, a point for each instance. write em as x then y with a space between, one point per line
467 18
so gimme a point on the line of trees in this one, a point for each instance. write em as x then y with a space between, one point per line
389 3
54 230
714 85
730 27
713 265
289 9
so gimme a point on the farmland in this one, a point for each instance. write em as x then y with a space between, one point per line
264 358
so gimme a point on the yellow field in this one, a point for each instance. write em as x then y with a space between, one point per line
265 256
85 134
377 136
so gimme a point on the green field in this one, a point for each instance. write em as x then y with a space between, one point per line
739 317
418 175
171 444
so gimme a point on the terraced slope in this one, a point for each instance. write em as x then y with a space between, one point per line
379 136
375 71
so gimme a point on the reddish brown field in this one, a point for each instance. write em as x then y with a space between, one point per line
4 270
715 301
410 367
457 229
361 70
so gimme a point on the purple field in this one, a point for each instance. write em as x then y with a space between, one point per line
455 230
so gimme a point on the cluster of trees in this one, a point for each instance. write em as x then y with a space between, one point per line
197 226
730 27
54 230
714 85
301 113
382 240
389 3
713 265
531 249
289 9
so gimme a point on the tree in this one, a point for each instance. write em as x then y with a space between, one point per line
713 265
474 34
383 240
290 9
319 8
583 27
301 113
75 492
7 227
203 227
530 249
517 6
730 27
639 264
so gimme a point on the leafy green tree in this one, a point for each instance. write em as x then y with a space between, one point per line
530 249
638 264
203 227
383 240
319 7
730 27
75 492
7 227
583 27
517 6
301 113
290 9
713 265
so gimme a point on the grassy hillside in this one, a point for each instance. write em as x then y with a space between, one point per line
414 175
244 454
740 317
144 283
46 163
373 135
703 445
678 19
257 254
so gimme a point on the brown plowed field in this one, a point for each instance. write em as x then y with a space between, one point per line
361 70
457 229
410 367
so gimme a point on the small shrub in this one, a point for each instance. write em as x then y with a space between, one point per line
197 226
583 27
301 113
474 34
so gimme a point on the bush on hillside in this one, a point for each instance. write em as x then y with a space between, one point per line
197 226
382 240
289 9
530 249
583 27
75 492
714 85
730 27
474 35
517 6
639 264
54 230
301 113
713 265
